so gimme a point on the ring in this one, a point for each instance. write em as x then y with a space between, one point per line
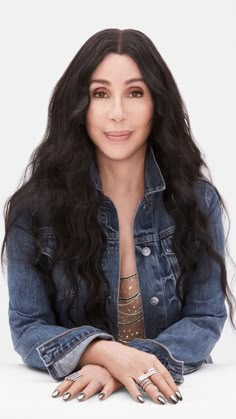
73 377
152 370
141 379
147 384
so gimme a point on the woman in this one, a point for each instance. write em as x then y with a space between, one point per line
115 244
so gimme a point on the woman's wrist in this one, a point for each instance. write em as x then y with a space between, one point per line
96 353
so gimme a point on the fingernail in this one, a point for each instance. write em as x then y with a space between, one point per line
55 393
140 399
81 396
161 399
66 396
101 395
173 398
179 395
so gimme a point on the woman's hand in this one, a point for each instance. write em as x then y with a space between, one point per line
92 379
127 364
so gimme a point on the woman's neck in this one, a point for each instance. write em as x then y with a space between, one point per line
122 179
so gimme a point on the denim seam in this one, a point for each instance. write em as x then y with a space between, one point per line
61 334
65 352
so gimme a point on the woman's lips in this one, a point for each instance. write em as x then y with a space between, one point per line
118 135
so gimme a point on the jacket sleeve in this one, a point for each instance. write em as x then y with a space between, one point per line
186 345
36 337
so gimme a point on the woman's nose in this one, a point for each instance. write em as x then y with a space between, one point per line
117 110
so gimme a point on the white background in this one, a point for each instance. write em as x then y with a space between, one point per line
195 38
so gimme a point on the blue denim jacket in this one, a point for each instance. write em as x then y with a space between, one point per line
181 336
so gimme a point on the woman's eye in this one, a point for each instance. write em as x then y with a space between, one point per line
99 94
133 93
137 93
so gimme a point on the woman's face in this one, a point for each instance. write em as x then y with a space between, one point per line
119 116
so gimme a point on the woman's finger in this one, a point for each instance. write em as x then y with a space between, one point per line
93 387
166 385
167 376
62 388
131 386
152 390
69 389
109 388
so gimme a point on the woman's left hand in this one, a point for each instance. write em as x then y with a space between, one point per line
92 379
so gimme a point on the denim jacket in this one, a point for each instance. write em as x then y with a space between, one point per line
182 336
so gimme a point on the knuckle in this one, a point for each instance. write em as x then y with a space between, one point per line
162 373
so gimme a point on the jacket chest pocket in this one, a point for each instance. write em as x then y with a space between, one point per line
174 265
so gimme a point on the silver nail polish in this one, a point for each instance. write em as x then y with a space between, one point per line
55 393
173 398
101 395
81 396
161 399
140 399
66 396
179 395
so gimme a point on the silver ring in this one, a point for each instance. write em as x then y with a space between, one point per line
150 372
147 384
74 376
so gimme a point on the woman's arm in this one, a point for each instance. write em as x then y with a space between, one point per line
186 344
35 334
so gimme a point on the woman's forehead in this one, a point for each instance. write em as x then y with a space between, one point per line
116 66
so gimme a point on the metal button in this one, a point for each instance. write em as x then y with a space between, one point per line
154 301
146 251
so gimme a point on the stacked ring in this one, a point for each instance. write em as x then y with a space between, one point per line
142 380
74 376
146 383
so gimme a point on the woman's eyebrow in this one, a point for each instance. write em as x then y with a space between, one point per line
106 82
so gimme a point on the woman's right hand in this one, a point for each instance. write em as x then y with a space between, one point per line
91 380
127 364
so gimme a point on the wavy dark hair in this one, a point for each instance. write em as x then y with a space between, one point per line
60 192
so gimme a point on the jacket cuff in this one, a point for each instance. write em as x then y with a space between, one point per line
174 366
61 354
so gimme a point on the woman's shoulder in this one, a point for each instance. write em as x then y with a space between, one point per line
207 194
24 216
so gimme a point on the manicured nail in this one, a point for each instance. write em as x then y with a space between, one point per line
66 396
55 393
161 399
81 396
140 399
178 394
101 395
173 398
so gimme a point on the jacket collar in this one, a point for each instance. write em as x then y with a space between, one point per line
154 181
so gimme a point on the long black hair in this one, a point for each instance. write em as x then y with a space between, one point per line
59 189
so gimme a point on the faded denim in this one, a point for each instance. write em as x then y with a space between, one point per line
181 336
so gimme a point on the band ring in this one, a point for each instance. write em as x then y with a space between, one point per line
74 376
147 384
141 378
